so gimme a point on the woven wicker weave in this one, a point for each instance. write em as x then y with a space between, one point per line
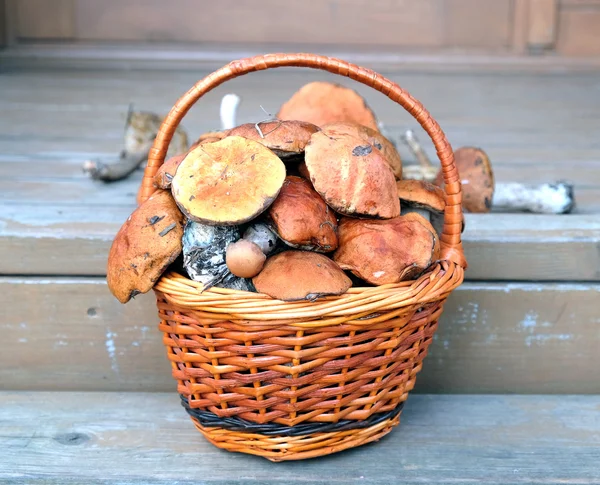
246 360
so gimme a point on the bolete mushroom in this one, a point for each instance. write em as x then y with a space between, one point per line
324 102
166 172
286 139
482 194
261 235
145 245
386 251
227 182
423 198
244 258
373 137
299 275
351 175
302 219
204 255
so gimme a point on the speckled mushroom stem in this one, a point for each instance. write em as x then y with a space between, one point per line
451 244
425 170
557 198
228 111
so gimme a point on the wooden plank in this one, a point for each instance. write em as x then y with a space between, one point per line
441 439
42 239
71 334
3 24
481 24
39 19
520 25
579 32
98 56
542 24
397 23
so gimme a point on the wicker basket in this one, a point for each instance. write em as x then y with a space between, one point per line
289 381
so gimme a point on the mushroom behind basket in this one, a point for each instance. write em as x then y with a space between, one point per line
289 380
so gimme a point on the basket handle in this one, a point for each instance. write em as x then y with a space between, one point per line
451 245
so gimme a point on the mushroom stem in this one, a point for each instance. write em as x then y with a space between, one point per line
110 172
413 143
229 105
557 198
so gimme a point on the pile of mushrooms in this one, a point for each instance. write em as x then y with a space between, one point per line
298 207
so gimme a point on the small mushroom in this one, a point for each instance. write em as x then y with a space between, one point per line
373 137
244 258
386 251
324 102
424 198
482 194
261 235
228 182
302 219
285 138
204 252
351 175
300 275
146 244
167 171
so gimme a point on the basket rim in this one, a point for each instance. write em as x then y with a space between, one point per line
359 303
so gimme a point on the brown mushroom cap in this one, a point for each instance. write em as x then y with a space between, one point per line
421 194
301 217
209 137
389 251
244 258
324 102
351 175
299 275
147 243
167 170
372 137
227 182
477 179
284 138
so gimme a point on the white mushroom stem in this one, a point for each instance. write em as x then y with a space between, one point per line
229 105
554 198
411 140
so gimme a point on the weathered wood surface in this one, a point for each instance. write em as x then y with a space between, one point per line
134 438
52 121
71 334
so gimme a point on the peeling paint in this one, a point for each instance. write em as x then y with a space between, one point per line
530 321
543 338
110 348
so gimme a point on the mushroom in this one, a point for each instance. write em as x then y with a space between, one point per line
302 219
204 255
244 258
261 235
481 194
324 102
285 138
351 175
141 128
423 198
299 275
374 138
145 245
480 191
227 182
166 172
386 251
425 170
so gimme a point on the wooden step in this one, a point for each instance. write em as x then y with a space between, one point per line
55 221
141 438
72 334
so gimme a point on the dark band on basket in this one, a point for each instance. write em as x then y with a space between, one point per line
208 419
